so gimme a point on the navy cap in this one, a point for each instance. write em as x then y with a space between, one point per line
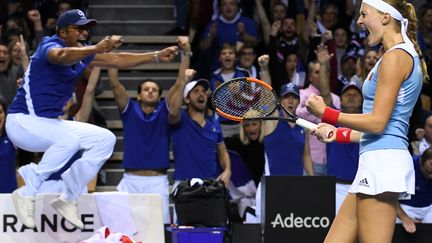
289 88
348 55
351 84
192 84
74 17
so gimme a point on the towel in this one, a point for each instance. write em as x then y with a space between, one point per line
103 235
114 212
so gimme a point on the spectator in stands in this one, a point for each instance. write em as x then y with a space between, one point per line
282 138
38 31
317 72
14 8
229 27
18 25
424 38
293 71
249 145
342 159
340 41
364 65
228 70
198 143
278 13
52 11
18 53
424 31
424 135
329 18
9 74
247 57
146 130
249 142
348 70
7 155
418 209
284 40
56 64
246 152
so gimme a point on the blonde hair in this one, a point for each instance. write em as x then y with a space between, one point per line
364 72
407 10
243 137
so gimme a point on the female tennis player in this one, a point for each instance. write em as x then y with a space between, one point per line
390 91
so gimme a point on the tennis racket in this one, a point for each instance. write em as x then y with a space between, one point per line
242 99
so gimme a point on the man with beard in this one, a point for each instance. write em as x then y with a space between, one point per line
146 131
197 140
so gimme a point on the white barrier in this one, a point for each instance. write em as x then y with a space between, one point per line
145 211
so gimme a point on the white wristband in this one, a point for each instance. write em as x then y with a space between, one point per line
156 58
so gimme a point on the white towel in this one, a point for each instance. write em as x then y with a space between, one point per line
114 212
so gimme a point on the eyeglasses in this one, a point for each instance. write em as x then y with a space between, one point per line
80 28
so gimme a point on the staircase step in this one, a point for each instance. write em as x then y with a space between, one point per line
110 112
157 66
118 147
133 27
142 39
131 84
131 12
114 124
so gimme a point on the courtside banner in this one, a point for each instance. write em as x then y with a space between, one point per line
138 215
297 208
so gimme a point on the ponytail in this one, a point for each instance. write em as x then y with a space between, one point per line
409 12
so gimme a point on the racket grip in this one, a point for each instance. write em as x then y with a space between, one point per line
306 124
311 126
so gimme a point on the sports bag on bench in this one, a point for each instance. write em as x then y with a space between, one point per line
201 204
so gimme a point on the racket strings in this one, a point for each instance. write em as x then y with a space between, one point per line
244 99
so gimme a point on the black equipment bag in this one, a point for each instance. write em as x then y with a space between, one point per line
201 205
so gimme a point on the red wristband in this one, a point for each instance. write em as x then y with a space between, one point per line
330 116
343 135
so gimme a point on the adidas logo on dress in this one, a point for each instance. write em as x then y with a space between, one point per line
364 182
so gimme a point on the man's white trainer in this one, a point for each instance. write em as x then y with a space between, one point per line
69 210
25 208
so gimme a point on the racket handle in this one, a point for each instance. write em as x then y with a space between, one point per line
306 124
311 126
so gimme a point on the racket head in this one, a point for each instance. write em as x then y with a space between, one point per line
244 98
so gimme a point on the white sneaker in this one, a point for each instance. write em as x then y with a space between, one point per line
24 207
69 211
